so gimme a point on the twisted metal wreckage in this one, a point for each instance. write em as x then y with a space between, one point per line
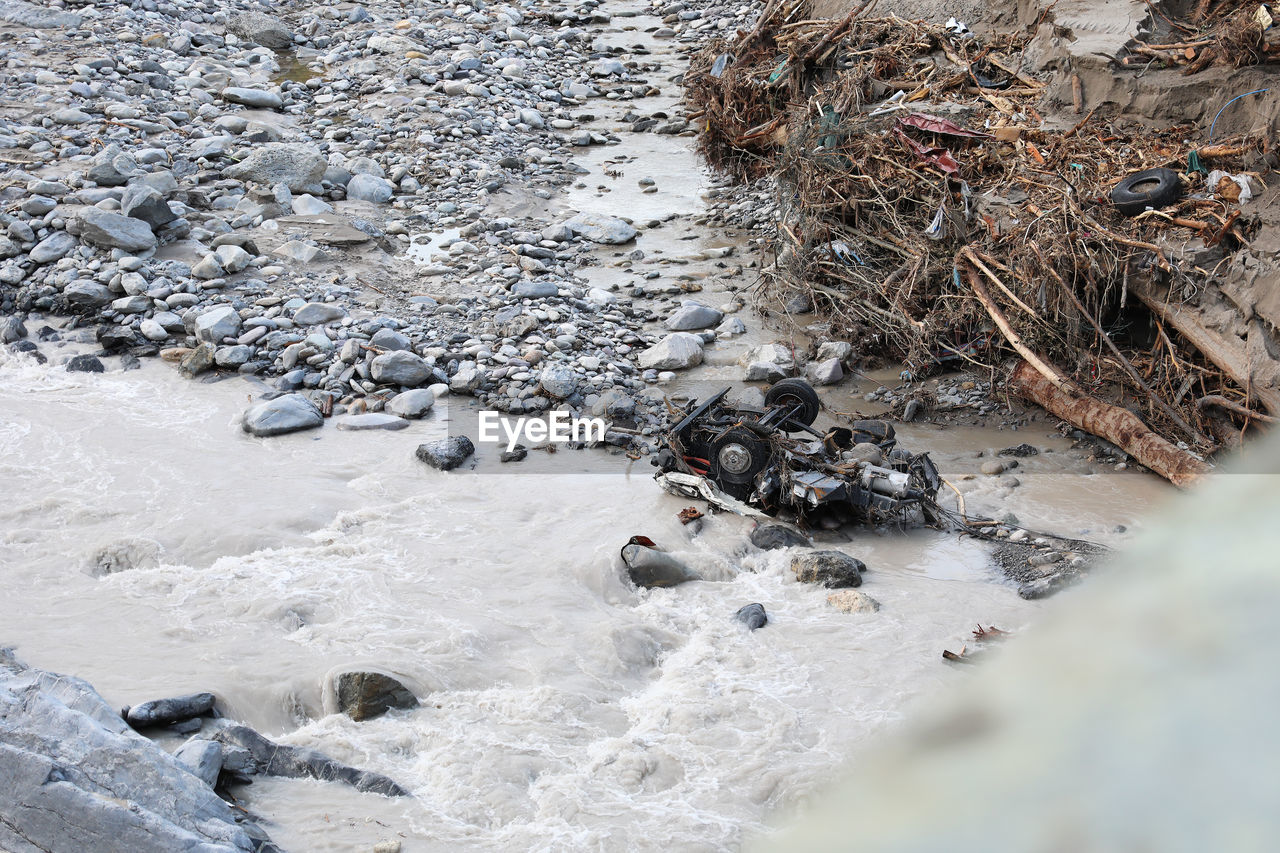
773 462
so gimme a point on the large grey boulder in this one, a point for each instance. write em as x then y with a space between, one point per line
54 247
369 188
299 167
76 777
290 413
412 404
693 315
12 329
214 325
674 352
266 30
86 294
599 228
399 368
558 381
112 167
109 230
142 201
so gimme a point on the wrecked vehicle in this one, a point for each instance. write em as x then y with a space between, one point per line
772 459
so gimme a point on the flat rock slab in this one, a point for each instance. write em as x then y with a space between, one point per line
372 420
599 228
327 228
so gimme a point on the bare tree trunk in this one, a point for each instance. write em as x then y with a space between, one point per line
1118 426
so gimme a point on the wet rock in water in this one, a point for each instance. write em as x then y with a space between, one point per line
598 228
691 316
295 762
400 368
841 351
318 313
832 569
85 364
11 329
159 712
676 351
752 615
763 371
826 372
648 567
299 167
775 354
263 29
371 420
1021 451
852 601
201 757
76 777
200 360
365 695
289 413
992 467
770 536
447 453
515 454
412 404
109 230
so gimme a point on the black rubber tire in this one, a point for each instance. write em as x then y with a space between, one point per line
736 458
792 393
1155 188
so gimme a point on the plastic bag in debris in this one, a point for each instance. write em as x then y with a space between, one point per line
1241 193
958 28
935 230
722 62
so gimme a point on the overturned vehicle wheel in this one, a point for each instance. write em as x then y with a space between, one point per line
798 397
737 458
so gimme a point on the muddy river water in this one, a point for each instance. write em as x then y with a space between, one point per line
151 547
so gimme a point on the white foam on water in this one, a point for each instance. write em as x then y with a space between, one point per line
562 708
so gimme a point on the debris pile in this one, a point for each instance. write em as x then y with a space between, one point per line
1212 32
931 211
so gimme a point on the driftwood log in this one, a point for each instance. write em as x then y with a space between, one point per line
1119 426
